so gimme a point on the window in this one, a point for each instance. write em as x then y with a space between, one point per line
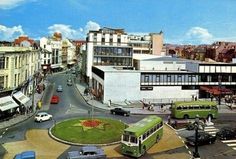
133 139
15 62
144 136
179 78
178 108
44 46
146 78
2 62
1 82
157 78
168 78
7 61
126 138
15 80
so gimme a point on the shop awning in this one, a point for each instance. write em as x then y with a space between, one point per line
21 97
7 103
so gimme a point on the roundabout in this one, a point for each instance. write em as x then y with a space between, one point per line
83 131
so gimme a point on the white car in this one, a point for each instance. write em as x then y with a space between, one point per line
59 88
42 116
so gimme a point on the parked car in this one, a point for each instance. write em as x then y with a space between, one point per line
120 111
203 139
87 152
226 133
26 155
54 99
69 82
42 116
59 88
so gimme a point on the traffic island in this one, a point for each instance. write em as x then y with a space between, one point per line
84 131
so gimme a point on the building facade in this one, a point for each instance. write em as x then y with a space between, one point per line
147 44
162 79
19 71
108 47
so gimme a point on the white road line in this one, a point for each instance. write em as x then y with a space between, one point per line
190 152
231 144
234 148
211 132
228 141
1 136
6 129
4 132
211 129
186 146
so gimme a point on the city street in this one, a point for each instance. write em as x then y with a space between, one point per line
35 135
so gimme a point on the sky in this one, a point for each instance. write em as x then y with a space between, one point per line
182 21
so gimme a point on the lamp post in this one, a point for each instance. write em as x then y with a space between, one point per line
196 126
219 83
34 109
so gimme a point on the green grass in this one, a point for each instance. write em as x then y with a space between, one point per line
70 131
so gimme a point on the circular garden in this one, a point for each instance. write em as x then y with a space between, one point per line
89 131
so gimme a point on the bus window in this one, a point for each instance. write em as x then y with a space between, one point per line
133 139
126 138
178 108
148 133
202 107
161 123
196 107
144 136
214 107
190 107
155 128
185 107
208 107
151 131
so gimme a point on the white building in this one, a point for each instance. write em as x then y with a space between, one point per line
147 44
160 79
108 47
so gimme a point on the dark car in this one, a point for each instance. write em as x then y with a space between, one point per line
120 111
203 139
226 133
87 152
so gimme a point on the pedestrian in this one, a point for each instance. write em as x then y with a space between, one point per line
168 119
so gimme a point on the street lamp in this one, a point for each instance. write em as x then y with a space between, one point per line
219 83
196 126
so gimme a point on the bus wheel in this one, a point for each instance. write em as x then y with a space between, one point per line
185 116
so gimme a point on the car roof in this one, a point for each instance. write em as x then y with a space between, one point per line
89 148
73 154
41 113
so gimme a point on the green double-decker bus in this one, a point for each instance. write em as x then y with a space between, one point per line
139 137
189 109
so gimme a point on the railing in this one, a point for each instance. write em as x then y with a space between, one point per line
164 100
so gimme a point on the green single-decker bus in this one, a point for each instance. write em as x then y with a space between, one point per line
189 109
141 136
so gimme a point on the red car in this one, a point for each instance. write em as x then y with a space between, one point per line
54 99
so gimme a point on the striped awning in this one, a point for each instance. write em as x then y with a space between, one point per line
21 97
7 103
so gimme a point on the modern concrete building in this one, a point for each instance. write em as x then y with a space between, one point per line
108 47
159 79
147 44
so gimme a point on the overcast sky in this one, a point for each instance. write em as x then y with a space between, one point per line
182 21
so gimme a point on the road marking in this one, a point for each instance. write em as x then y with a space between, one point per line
234 148
210 127
231 144
6 129
1 136
228 141
211 130
186 146
190 152
4 132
